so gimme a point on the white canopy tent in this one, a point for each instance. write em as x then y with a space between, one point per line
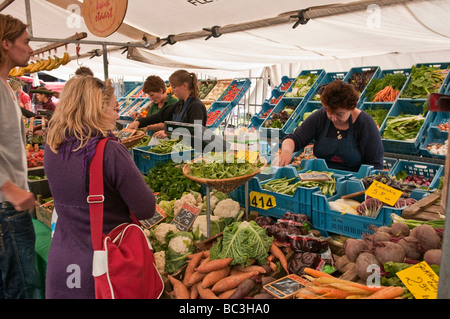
394 36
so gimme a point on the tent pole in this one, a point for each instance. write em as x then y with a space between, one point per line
105 61
28 12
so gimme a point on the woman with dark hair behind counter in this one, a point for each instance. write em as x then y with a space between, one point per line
343 135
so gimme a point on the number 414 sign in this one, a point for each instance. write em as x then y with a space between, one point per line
261 200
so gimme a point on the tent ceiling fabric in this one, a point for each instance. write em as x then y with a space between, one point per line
418 30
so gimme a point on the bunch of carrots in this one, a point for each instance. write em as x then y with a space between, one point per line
388 94
218 279
324 286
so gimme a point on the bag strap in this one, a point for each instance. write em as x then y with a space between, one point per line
96 196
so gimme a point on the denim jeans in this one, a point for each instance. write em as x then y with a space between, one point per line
18 275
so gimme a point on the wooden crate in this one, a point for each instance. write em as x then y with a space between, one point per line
428 208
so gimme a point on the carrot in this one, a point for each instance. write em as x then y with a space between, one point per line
214 265
214 276
390 292
316 273
257 268
206 293
192 264
349 288
227 294
281 257
193 292
192 256
332 280
329 292
195 278
273 266
231 282
179 289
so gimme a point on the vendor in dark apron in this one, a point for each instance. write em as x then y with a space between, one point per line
339 152
178 117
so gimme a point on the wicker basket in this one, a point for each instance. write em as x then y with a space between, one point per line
133 140
226 185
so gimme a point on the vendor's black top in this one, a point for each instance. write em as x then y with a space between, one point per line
195 110
364 143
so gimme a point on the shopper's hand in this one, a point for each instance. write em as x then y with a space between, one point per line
135 115
133 126
283 159
18 197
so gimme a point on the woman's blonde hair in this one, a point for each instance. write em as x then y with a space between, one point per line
81 112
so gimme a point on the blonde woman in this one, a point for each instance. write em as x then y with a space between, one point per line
87 112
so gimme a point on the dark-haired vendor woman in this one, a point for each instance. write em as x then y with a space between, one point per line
343 135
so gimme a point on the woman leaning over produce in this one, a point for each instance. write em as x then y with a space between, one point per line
188 109
343 135
87 112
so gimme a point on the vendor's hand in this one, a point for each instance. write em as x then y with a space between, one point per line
18 197
133 126
160 134
284 158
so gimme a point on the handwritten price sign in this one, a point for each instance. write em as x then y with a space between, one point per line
261 200
384 193
421 280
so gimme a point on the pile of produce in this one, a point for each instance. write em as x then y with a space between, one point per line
275 100
231 93
423 81
404 243
222 165
143 142
218 89
415 179
168 180
280 118
444 126
169 146
205 88
360 79
35 157
288 186
266 113
385 89
305 116
286 86
213 116
378 114
302 85
437 148
392 181
404 127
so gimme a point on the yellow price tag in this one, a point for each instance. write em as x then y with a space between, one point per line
251 156
384 193
421 280
261 200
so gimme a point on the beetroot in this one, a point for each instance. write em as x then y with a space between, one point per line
399 229
433 256
411 246
363 261
389 251
353 247
427 236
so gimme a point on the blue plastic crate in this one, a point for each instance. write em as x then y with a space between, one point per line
320 74
444 85
440 118
135 92
241 84
285 80
224 108
319 164
295 119
433 135
145 159
352 71
377 105
427 170
138 105
406 72
326 79
388 163
406 106
437 178
269 132
330 221
275 97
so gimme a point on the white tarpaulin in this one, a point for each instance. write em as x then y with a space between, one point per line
396 36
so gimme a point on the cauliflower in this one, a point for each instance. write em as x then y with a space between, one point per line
162 229
200 225
227 208
180 244
160 261
187 199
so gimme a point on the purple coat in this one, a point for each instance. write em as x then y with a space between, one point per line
69 268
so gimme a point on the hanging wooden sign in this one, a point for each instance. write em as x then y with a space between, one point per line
104 17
